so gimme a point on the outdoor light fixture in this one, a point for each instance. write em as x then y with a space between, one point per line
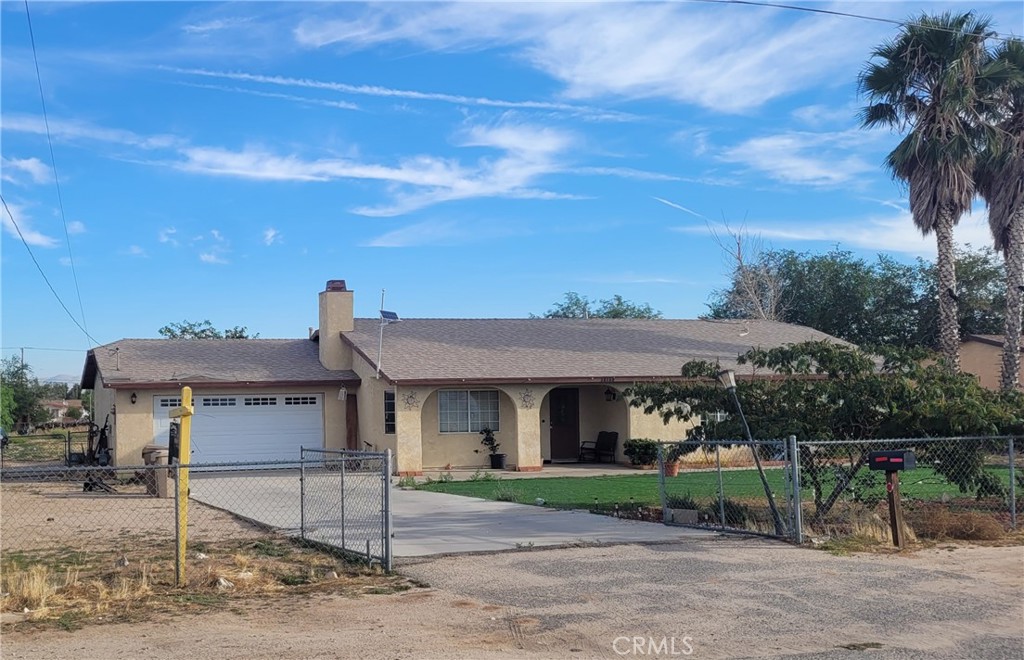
342 394
134 398
610 394
727 378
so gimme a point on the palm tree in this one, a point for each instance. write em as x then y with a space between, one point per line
1000 181
924 81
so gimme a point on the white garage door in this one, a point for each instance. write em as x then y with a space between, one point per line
246 427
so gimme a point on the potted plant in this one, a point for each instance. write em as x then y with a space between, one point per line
641 452
497 460
674 452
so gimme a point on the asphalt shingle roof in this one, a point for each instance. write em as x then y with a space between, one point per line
563 349
241 361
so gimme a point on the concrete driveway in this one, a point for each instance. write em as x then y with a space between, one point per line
424 523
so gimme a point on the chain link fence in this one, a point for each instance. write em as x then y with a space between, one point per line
966 487
731 486
62 515
346 501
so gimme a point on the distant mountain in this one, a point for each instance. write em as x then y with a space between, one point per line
67 379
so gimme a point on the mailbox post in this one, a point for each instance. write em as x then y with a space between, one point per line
892 463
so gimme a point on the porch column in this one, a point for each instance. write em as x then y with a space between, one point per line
408 432
527 400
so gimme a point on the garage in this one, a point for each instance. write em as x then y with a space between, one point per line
230 428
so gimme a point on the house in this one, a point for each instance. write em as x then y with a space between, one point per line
421 387
57 411
982 355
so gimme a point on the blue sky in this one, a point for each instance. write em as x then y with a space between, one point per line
222 161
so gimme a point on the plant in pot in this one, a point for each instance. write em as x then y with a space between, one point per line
674 452
641 452
497 460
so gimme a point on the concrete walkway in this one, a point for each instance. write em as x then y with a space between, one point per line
427 523
424 523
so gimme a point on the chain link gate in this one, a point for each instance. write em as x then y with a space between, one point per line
734 486
346 502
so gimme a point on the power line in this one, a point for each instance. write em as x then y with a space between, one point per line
40 269
998 36
53 163
39 348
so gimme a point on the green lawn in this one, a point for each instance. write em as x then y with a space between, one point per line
642 489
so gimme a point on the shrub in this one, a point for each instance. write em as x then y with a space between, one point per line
938 522
641 451
681 502
506 493
736 513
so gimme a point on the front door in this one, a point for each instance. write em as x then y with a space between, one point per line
565 424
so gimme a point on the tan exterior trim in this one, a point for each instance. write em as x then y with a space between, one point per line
204 384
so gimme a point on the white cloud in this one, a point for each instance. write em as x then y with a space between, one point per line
679 207
76 227
212 258
529 153
135 251
813 159
388 92
624 173
216 25
24 222
37 171
166 235
65 261
73 129
889 233
271 236
747 56
217 236
342 105
817 115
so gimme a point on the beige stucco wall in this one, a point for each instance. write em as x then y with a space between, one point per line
370 405
460 449
984 361
652 426
133 423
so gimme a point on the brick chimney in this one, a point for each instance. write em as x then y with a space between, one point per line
335 318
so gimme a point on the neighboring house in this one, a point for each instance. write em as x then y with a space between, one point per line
982 355
58 410
544 385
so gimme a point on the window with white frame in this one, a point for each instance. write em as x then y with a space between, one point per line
389 412
467 411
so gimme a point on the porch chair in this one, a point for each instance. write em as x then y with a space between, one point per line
605 445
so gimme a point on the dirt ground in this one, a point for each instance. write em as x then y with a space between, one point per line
717 598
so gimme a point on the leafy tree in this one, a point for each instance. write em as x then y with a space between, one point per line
203 330
25 394
826 391
75 412
576 306
1000 181
926 81
6 407
876 302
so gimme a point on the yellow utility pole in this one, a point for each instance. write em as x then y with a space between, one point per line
184 413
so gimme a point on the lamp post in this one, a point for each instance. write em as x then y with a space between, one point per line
727 378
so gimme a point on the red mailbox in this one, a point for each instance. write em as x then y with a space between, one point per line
892 461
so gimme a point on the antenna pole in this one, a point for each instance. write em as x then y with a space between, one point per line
380 341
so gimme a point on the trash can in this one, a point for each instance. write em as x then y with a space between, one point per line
156 479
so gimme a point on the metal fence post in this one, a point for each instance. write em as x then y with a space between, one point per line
302 492
721 486
344 458
794 466
177 529
388 555
1013 486
661 484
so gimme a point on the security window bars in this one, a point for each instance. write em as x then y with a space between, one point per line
467 411
389 412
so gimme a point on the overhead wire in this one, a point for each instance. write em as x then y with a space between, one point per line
41 272
56 178
998 36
